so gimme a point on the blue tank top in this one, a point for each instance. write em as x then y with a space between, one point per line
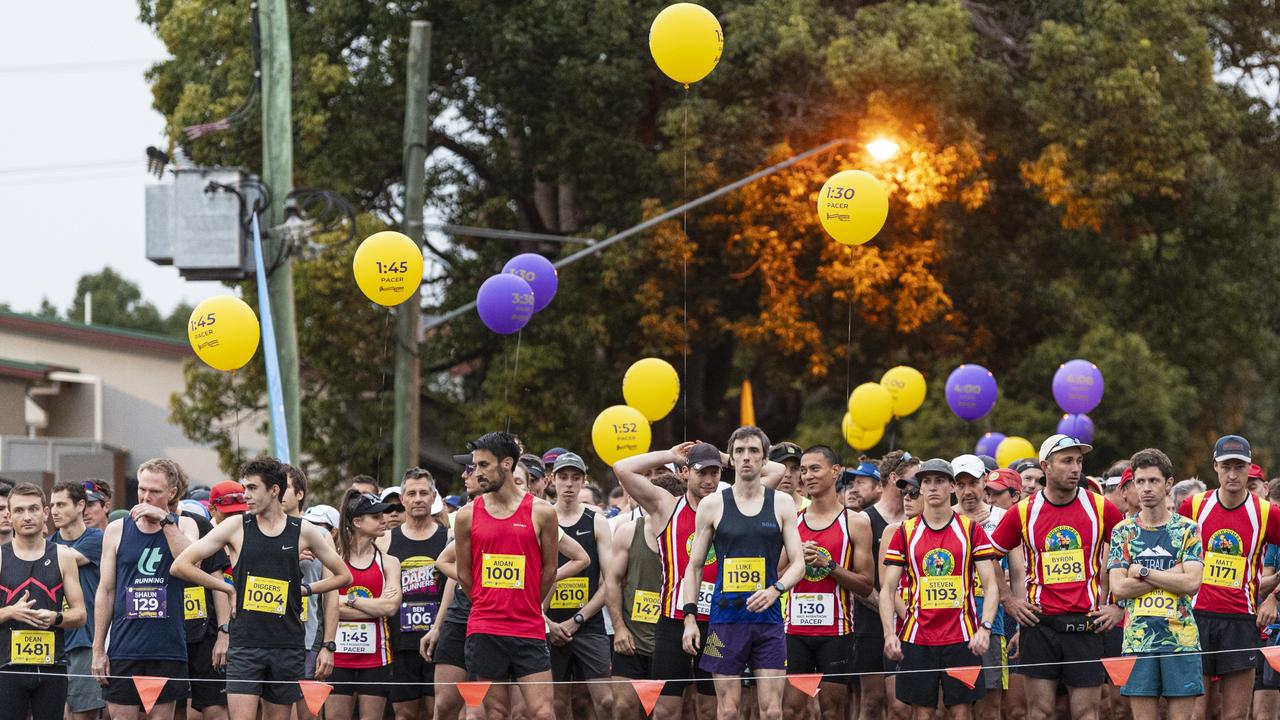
146 618
748 549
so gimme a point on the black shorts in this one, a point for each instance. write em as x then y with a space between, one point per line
409 672
927 665
868 654
585 657
673 664
122 691
352 681
248 669
827 654
451 646
1049 642
40 695
1227 631
200 667
494 657
632 667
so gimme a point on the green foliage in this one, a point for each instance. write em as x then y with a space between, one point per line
117 301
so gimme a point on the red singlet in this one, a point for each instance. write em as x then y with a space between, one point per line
818 605
506 573
363 643
673 551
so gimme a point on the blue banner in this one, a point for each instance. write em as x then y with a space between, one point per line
275 394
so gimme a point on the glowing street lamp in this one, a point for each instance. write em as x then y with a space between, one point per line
882 149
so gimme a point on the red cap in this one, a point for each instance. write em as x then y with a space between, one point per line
1094 486
1255 473
228 497
1003 479
1126 476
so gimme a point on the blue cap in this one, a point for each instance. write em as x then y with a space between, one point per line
455 501
1232 447
867 469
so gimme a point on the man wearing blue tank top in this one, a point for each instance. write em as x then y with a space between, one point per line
749 525
267 653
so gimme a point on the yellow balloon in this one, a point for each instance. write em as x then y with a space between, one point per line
224 332
852 206
686 42
652 387
858 438
907 387
1012 449
619 432
870 406
388 267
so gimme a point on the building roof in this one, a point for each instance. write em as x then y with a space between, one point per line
139 341
28 370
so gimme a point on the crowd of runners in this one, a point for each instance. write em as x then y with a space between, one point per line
717 571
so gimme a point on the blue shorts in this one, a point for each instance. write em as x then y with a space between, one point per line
731 648
1169 675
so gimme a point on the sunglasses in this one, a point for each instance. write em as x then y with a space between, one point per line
912 493
229 499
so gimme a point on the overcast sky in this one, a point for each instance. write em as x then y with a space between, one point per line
73 137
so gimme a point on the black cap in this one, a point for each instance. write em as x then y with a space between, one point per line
370 504
989 463
463 459
784 451
704 455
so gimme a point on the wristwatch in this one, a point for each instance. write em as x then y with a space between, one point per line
988 627
225 628
351 601
330 645
170 519
577 617
690 609
57 620
306 589
779 587
1143 572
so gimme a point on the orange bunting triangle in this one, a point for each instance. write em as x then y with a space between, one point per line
1272 654
807 683
648 690
967 674
1118 668
149 688
315 693
473 692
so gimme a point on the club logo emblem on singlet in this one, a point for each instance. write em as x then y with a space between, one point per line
1225 542
149 561
940 590
418 574
359 591
711 550
1063 558
813 573
1063 537
938 562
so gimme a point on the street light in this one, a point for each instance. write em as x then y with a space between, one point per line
882 149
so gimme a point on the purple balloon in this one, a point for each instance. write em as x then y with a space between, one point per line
971 391
1077 386
505 303
988 443
539 273
1079 427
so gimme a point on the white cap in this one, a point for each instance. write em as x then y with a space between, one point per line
322 515
393 490
971 465
437 505
1054 443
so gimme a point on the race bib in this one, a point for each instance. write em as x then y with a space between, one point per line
743 574
644 607
705 591
570 594
146 602
418 616
1062 566
942 592
31 647
502 571
193 606
1223 570
266 595
1157 603
305 606
357 637
812 609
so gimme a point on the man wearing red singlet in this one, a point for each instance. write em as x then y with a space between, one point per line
1235 527
838 567
671 525
506 542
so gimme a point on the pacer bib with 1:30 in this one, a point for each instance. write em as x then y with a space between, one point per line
31 647
705 591
502 571
266 595
145 602
941 592
813 609
1157 603
1224 570
356 637
193 607
418 616
644 606
570 594
1062 566
743 574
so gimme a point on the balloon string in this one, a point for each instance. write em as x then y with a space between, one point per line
848 340
382 396
235 403
684 265
512 371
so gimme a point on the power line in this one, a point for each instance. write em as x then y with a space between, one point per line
75 67
39 169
